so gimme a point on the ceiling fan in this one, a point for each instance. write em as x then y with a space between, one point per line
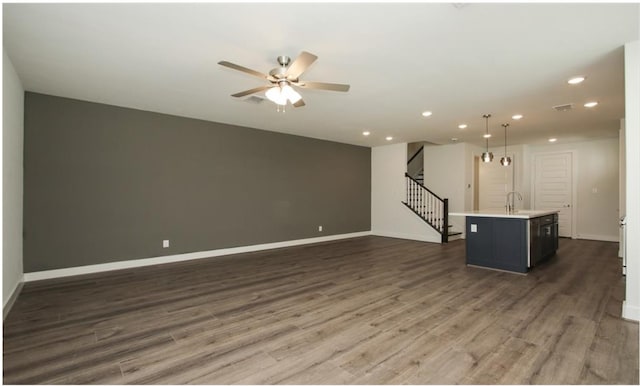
283 77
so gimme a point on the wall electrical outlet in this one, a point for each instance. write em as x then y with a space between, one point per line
165 243
474 228
319 228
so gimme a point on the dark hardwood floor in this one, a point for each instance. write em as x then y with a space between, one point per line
367 310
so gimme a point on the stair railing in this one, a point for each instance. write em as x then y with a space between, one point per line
428 206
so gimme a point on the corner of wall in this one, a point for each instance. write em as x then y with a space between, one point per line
630 312
10 301
12 182
631 307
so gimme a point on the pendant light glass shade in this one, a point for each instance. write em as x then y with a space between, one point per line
487 156
506 160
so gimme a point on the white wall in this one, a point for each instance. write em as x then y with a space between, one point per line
520 160
389 217
12 178
631 306
597 185
448 173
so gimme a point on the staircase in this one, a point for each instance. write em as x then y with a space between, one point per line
419 177
424 203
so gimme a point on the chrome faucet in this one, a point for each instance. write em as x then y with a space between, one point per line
510 203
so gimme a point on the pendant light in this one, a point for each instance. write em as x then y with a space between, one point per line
487 156
506 160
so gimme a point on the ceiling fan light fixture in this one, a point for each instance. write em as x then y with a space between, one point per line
281 78
289 93
275 95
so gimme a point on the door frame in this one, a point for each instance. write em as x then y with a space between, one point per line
574 183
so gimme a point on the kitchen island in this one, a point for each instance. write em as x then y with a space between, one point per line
512 241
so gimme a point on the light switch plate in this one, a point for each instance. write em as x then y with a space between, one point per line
474 227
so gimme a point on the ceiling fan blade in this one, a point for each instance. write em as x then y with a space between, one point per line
299 103
324 86
243 69
252 91
300 65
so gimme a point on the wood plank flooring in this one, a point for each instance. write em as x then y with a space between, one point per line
369 310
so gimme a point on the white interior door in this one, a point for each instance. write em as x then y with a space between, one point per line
553 188
494 182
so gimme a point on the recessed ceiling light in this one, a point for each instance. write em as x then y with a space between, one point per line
365 133
576 80
454 139
427 113
389 138
486 136
517 116
553 139
462 126
590 104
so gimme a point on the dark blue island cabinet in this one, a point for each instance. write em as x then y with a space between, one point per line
511 242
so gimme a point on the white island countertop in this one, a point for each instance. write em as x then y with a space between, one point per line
518 213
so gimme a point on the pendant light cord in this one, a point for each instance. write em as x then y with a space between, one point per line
486 118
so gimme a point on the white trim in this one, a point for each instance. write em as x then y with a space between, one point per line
12 299
630 312
631 309
86 269
406 236
582 236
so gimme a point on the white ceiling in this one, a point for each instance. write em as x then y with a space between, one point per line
459 61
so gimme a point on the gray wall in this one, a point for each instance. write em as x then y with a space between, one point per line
105 183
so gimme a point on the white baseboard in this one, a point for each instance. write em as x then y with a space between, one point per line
86 269
12 299
614 239
406 236
630 312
